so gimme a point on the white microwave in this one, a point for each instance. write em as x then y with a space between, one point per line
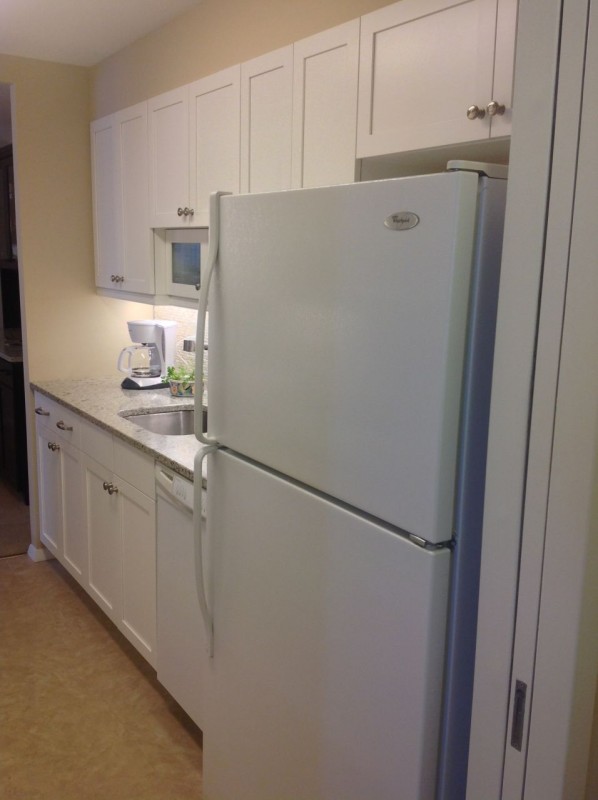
179 255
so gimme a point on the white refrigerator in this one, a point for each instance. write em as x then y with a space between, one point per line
351 338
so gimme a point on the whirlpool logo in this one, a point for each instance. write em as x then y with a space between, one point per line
401 221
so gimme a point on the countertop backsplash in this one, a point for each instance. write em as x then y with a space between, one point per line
187 325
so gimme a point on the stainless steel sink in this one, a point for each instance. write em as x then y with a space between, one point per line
168 423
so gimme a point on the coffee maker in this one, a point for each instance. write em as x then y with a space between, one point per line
146 361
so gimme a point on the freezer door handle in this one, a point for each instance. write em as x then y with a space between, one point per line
203 307
198 538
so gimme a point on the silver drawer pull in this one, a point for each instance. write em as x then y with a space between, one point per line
63 427
112 489
40 412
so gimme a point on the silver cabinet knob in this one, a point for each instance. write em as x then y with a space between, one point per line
180 212
113 278
63 427
112 489
106 486
53 447
189 212
121 279
495 109
474 112
40 412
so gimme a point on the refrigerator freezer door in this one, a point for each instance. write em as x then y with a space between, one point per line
337 342
328 647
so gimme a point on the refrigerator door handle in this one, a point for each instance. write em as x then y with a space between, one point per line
198 537
213 243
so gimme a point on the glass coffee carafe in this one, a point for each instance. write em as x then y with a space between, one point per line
140 361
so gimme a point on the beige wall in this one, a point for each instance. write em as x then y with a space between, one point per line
216 34
68 329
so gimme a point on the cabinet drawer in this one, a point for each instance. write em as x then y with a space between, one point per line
135 467
98 444
63 422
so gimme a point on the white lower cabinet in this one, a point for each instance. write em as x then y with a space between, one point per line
50 490
74 541
102 522
98 517
60 489
121 531
138 560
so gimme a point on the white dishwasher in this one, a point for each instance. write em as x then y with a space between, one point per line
181 643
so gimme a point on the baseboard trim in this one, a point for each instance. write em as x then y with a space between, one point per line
39 553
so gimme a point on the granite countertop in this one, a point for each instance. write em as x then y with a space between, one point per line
101 400
11 348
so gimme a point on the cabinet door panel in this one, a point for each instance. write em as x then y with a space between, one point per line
504 62
266 111
422 64
133 199
106 231
138 616
73 517
215 117
325 74
103 530
168 122
50 494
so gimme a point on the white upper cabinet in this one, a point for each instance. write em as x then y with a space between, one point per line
430 71
215 118
103 172
325 73
504 64
122 240
266 119
170 183
132 199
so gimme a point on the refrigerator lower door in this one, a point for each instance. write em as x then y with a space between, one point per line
329 634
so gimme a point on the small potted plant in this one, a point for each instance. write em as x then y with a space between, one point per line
181 381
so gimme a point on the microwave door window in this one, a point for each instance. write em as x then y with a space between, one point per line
186 263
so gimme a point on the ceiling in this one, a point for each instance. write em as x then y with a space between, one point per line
80 32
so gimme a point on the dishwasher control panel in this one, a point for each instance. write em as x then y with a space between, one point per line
182 490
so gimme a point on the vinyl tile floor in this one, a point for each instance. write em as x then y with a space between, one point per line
82 715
